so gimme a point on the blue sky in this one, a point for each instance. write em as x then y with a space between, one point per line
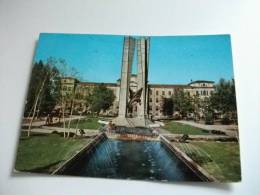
173 59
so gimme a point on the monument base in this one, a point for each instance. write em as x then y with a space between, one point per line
132 122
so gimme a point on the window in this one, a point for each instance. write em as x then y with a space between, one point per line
157 92
151 100
197 92
169 93
157 100
157 108
163 92
204 92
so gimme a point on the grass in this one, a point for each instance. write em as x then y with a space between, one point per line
178 128
86 123
44 153
220 159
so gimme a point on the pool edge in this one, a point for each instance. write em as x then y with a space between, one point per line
197 169
100 137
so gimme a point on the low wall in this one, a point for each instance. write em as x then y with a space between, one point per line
198 170
132 137
79 154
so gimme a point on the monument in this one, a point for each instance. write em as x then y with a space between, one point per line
127 97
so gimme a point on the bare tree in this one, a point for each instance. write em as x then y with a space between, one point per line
38 95
66 71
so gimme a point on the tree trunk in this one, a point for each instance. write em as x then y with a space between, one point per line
35 105
63 116
38 109
72 108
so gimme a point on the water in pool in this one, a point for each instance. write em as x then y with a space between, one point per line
146 160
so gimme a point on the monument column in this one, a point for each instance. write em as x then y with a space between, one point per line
127 60
142 56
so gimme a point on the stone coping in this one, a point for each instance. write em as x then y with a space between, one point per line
197 169
132 137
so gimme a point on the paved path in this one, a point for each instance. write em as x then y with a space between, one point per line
176 137
43 122
46 129
228 129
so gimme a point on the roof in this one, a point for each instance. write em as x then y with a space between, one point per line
67 77
150 85
167 86
95 84
201 81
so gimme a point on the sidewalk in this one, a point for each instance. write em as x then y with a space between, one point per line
48 130
223 128
43 122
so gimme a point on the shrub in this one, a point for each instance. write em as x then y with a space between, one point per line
209 119
225 120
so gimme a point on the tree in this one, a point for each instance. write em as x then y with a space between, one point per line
207 110
167 106
45 93
65 99
100 99
182 102
197 104
45 77
41 94
224 99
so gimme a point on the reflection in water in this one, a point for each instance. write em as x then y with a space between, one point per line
147 160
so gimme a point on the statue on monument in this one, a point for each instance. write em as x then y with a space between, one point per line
134 98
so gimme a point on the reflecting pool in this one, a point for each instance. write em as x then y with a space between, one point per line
146 160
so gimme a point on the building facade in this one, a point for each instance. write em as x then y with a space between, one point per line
157 92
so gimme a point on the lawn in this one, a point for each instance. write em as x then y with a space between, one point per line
85 123
178 128
43 153
220 159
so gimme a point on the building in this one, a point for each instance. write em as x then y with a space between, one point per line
71 86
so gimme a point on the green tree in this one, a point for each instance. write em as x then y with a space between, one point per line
167 106
197 104
41 95
43 89
223 99
182 102
207 110
100 99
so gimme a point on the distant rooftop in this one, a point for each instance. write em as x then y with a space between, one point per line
201 81
153 85
167 86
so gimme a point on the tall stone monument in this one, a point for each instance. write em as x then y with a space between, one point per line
128 98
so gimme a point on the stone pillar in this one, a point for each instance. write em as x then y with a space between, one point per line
127 60
142 75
